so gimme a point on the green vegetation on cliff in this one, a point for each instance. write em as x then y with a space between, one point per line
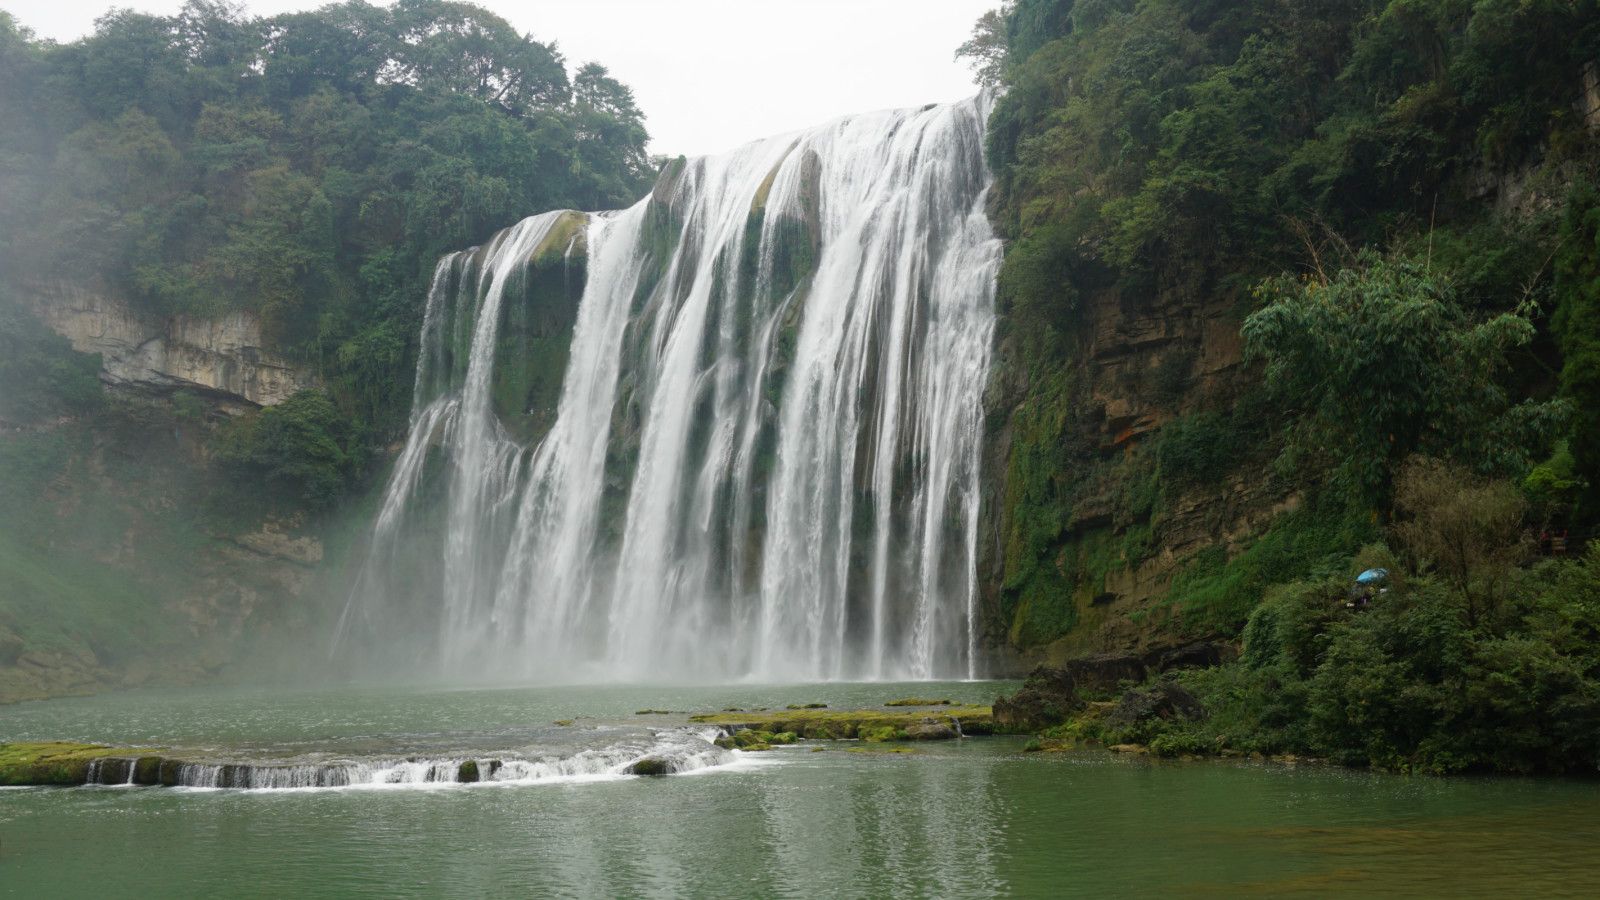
307 167
1481 667
1329 236
1293 289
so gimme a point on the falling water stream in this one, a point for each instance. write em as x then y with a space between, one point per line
764 458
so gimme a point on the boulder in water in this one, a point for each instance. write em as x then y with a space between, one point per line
931 731
1047 698
650 765
468 773
147 770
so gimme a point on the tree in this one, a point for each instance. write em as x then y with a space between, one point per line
985 51
469 50
1577 328
1378 362
1466 528
610 134
303 446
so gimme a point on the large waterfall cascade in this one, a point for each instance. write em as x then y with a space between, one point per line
760 458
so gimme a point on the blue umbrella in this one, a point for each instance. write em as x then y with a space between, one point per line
1371 576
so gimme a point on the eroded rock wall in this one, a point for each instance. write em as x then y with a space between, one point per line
226 358
1135 363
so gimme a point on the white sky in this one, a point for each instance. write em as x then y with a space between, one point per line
709 74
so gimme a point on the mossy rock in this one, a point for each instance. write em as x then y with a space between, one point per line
147 770
650 765
825 724
468 773
931 731
52 762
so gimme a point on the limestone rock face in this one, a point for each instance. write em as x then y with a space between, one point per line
224 357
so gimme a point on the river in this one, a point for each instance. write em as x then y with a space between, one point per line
976 817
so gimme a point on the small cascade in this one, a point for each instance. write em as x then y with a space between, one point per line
111 771
731 432
677 750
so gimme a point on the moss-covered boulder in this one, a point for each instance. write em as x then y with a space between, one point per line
932 731
147 770
753 739
649 765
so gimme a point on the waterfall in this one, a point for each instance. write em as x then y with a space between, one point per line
761 457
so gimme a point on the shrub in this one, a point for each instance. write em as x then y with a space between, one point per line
303 445
1196 449
1466 528
40 374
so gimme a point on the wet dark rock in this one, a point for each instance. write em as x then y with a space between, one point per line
1105 672
650 765
468 774
1047 698
1201 655
147 770
1164 700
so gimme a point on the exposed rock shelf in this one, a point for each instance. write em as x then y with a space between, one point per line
57 763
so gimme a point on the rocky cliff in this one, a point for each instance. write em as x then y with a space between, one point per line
225 359
128 557
1116 533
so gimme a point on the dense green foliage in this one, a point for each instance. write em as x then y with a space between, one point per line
308 167
1382 362
302 449
1400 190
40 374
1577 325
1428 677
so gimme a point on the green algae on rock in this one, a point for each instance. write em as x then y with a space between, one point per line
55 762
651 766
864 724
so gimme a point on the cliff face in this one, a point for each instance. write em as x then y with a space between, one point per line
1119 534
123 568
226 359
124 560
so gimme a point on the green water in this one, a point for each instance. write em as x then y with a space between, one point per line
973 818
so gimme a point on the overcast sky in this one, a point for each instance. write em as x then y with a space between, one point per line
709 74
